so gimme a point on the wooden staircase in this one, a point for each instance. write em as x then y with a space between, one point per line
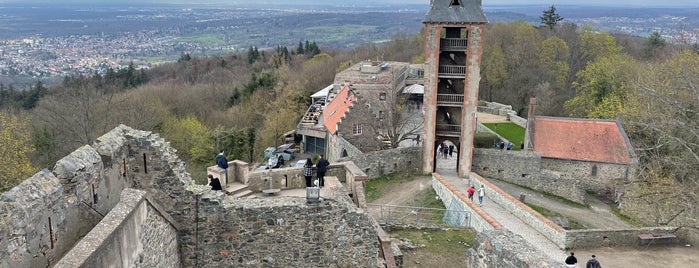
239 190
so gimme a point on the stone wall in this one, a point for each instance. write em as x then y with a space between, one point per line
337 145
379 163
284 232
610 177
453 199
133 234
524 168
538 222
597 238
505 249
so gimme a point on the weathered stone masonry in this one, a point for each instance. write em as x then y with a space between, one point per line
181 223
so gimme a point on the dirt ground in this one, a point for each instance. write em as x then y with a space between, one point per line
597 216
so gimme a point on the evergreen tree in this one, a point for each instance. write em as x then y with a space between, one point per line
550 18
299 48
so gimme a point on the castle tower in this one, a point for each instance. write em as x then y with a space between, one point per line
453 48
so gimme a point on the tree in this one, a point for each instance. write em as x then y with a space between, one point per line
550 18
15 147
662 119
190 137
602 87
655 43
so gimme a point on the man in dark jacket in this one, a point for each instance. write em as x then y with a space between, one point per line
222 163
571 260
322 166
593 263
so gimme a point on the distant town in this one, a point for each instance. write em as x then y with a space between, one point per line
47 43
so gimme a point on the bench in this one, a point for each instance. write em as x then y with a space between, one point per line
271 191
648 239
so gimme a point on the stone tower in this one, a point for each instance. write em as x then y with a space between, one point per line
453 48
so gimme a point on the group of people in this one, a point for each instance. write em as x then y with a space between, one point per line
445 150
481 193
571 262
321 168
504 145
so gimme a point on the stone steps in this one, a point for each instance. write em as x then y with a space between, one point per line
238 190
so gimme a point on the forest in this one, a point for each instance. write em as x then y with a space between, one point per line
241 102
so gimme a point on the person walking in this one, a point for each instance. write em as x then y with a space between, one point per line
481 194
451 150
593 263
571 261
471 190
222 163
308 172
322 166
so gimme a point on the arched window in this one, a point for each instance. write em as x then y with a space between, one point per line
594 170
455 3
344 153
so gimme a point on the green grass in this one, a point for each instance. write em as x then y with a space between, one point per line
510 131
452 242
375 188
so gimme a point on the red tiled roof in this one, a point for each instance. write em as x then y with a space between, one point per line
336 109
582 139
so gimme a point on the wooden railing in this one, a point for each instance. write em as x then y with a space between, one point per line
452 70
453 44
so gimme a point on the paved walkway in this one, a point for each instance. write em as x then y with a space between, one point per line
447 168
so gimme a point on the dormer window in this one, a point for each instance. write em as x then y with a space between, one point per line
455 3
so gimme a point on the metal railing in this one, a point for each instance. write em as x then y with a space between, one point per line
457 99
418 216
452 71
445 128
453 44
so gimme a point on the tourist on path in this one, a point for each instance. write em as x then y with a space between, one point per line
308 172
471 190
593 263
571 260
322 166
222 163
451 150
481 193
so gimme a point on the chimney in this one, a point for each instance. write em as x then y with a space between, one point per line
529 132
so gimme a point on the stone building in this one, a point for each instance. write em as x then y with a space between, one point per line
357 113
595 152
453 47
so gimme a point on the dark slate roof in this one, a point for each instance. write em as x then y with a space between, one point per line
442 11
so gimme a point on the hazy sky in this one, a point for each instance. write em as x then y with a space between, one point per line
693 3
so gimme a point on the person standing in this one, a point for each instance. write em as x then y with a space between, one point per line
571 261
481 194
308 172
471 190
322 166
451 150
222 163
593 263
